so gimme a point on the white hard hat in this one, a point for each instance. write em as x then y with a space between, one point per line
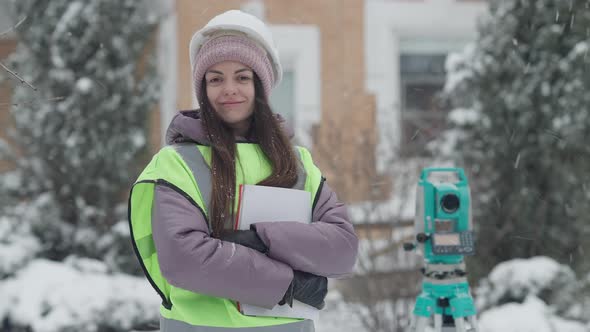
238 21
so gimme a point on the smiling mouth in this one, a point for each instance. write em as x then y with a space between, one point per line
232 103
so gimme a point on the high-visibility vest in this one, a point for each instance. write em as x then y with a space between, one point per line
185 168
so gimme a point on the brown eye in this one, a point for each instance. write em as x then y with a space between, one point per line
244 78
214 80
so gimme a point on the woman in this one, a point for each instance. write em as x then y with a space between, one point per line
182 205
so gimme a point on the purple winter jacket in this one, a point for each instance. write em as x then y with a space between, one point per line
191 259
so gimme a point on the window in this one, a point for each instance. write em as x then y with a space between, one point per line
282 99
423 114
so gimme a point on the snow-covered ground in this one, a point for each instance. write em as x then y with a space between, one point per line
533 315
77 295
52 297
339 315
536 294
525 281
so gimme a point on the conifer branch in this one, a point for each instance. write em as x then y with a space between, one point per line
3 33
22 80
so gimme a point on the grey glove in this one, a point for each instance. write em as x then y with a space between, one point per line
307 288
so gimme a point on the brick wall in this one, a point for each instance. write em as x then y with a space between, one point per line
7 46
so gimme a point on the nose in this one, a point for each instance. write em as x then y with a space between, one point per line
230 88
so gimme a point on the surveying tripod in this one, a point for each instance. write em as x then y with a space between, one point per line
445 295
443 229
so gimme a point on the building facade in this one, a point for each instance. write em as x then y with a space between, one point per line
321 48
361 76
360 84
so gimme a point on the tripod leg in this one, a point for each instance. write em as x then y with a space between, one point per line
421 323
448 323
460 324
473 323
437 323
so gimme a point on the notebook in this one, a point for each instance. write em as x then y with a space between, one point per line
273 204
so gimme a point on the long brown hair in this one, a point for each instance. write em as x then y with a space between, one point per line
267 132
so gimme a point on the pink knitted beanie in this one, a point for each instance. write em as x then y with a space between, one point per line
232 48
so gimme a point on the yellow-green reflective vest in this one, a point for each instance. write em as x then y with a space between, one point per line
185 168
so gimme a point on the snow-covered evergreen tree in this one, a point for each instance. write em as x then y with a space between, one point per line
523 113
80 125
81 129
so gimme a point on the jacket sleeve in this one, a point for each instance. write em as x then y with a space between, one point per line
189 258
327 247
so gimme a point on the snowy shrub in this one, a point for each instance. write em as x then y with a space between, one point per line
518 279
581 308
77 295
533 315
116 250
17 246
536 294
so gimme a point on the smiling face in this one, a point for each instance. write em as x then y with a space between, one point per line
230 90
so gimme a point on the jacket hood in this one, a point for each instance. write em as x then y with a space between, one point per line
187 126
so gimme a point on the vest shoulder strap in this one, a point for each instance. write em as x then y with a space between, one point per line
202 172
199 167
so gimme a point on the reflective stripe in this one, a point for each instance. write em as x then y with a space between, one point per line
171 325
192 156
301 175
196 162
